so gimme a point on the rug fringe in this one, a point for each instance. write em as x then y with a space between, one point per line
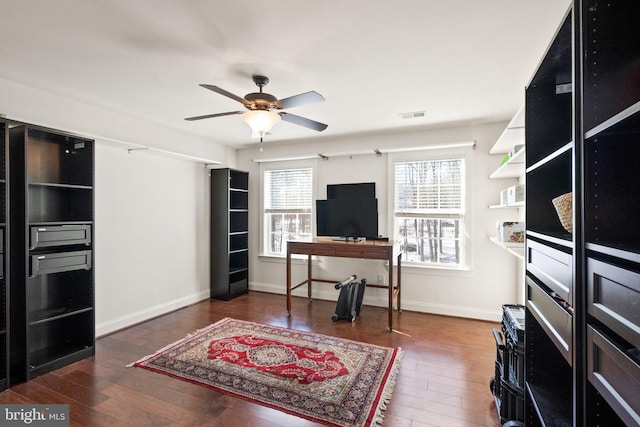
173 344
387 391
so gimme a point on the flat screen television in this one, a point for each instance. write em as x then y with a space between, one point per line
347 218
364 190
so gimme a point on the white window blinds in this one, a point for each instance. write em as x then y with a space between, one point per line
288 190
288 203
429 187
429 211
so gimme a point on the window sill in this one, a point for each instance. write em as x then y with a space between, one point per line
435 270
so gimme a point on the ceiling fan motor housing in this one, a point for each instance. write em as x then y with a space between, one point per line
260 101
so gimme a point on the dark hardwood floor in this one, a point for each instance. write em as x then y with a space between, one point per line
443 381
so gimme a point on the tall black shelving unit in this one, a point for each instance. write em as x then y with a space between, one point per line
4 271
52 288
229 233
582 344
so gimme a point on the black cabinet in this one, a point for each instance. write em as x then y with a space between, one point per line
229 233
52 290
583 284
4 251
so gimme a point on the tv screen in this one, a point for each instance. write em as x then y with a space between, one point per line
365 190
347 217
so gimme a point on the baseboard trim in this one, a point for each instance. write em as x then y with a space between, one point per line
110 326
330 294
320 292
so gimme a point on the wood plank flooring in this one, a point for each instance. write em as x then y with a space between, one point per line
443 381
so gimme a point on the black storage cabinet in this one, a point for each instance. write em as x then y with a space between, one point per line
582 345
4 252
229 233
52 322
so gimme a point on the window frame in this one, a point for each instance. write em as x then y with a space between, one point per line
462 153
264 226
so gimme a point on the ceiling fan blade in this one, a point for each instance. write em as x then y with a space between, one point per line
221 91
295 100
301 121
209 116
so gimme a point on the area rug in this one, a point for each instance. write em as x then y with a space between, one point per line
328 380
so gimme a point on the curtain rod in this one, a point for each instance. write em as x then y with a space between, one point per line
375 151
132 146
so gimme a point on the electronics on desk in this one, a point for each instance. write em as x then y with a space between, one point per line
350 211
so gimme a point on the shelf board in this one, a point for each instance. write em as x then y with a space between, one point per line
553 410
58 185
509 138
630 255
560 238
48 355
512 135
633 109
48 315
512 206
515 249
567 147
513 168
49 223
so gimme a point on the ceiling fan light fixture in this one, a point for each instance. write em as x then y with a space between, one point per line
260 121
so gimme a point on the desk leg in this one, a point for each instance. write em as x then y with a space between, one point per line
288 284
390 294
309 276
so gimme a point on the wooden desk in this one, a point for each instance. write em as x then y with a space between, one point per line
372 249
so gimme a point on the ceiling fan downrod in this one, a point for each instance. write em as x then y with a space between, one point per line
260 81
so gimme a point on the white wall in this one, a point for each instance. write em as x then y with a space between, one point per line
151 212
479 292
151 236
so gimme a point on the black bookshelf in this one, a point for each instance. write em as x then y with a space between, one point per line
4 261
583 284
229 233
52 290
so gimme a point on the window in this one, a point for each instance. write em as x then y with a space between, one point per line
429 211
287 208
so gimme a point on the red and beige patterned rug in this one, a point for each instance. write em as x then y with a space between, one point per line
328 380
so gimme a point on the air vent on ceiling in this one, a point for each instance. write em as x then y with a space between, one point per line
412 115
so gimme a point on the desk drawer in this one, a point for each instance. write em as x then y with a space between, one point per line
313 250
615 375
362 253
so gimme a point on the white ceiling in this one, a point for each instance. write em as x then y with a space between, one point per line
462 61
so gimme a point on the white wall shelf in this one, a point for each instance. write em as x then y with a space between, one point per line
512 139
513 168
512 206
515 249
512 135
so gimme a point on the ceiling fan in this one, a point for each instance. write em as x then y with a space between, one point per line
262 106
